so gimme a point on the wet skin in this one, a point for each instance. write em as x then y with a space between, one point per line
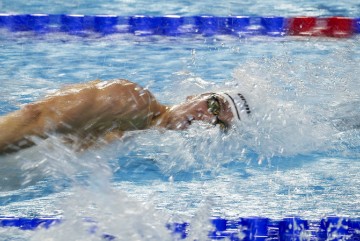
196 108
85 113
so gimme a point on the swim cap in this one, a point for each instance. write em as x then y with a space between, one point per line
238 104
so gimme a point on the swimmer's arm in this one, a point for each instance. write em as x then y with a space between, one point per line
17 127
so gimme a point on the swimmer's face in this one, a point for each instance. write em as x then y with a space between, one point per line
209 108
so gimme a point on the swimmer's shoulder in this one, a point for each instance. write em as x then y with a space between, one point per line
124 87
94 84
134 93
118 88
117 83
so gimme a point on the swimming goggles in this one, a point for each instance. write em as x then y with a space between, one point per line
214 108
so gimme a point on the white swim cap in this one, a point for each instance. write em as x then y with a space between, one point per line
238 104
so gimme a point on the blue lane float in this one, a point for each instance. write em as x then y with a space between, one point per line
39 23
246 229
357 25
28 223
239 25
105 24
274 26
144 25
72 23
175 25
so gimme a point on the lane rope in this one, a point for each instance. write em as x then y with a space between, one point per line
250 228
175 25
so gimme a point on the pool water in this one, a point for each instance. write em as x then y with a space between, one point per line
297 155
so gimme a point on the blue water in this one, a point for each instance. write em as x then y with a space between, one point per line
298 155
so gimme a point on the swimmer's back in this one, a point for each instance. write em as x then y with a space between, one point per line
95 108
96 103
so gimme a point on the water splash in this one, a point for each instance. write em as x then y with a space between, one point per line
89 214
290 116
93 207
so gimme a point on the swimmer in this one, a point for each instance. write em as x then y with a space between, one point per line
85 113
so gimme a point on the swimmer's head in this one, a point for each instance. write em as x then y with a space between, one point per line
219 109
238 105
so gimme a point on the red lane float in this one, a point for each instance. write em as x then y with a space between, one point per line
338 27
